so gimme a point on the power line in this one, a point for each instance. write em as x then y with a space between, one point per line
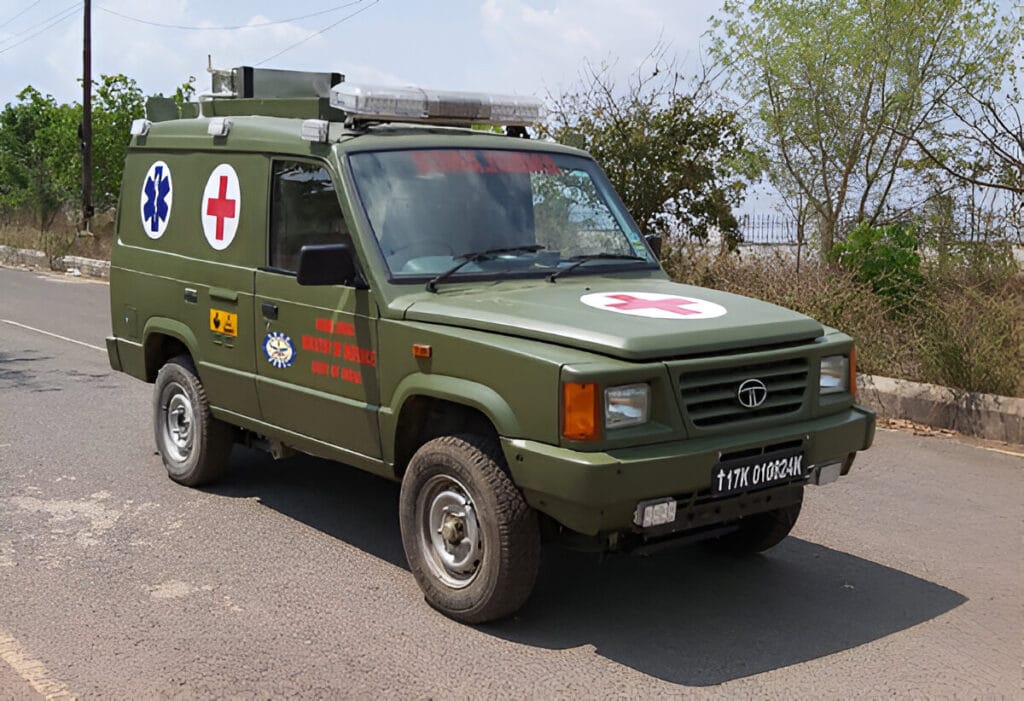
20 14
327 28
26 30
232 27
58 19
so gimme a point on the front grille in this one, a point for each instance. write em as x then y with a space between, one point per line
710 396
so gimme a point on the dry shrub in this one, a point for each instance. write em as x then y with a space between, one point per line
832 296
972 333
62 239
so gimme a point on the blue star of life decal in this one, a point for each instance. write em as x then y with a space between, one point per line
155 203
279 350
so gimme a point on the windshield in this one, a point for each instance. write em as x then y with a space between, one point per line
493 212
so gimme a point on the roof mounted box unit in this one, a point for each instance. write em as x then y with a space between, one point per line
246 81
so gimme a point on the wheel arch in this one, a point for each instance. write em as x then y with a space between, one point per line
164 339
430 406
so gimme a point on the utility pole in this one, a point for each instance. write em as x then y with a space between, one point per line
86 127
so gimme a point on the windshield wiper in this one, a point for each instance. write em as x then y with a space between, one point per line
468 258
580 260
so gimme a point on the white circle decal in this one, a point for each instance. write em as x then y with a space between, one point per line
222 204
155 200
654 305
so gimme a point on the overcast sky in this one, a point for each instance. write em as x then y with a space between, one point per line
518 46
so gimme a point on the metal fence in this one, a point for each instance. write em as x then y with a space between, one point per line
768 229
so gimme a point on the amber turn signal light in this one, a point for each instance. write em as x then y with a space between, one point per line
420 350
580 411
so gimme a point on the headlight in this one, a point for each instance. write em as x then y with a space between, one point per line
626 405
835 374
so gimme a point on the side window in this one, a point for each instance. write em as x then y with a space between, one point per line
304 210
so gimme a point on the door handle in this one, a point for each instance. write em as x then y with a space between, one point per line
269 311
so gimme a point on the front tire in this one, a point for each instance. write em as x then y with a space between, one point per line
193 444
760 532
471 540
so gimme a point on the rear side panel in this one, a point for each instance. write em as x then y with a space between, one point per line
167 273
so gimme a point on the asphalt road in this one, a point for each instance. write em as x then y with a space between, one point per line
288 579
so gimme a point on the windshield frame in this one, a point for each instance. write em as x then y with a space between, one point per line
610 197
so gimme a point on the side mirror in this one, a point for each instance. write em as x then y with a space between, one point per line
654 241
328 264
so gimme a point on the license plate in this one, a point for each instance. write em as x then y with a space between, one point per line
743 476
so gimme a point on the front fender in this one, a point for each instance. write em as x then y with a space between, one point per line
453 389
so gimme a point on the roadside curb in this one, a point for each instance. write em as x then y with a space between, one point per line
970 413
38 259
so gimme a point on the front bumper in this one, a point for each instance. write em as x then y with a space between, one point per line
593 493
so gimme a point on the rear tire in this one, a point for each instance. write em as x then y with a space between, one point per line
760 532
193 444
471 540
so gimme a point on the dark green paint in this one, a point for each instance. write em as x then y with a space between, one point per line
502 347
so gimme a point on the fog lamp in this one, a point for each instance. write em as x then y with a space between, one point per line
655 512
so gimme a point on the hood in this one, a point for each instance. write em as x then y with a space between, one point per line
632 319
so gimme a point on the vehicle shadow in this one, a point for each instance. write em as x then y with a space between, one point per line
697 618
343 502
687 616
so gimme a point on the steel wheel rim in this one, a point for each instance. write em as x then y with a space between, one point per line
177 424
451 539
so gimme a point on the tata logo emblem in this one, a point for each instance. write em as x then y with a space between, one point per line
752 393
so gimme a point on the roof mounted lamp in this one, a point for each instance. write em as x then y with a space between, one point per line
376 103
218 126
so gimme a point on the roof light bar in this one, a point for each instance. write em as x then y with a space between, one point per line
412 104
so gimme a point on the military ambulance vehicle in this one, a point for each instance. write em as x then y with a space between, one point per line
352 272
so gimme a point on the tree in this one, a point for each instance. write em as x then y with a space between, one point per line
845 88
40 159
118 101
38 151
985 137
680 162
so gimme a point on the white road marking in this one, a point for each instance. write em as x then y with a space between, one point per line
54 335
32 671
1004 452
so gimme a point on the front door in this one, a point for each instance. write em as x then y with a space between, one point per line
316 346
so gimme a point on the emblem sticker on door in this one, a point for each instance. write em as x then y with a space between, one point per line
279 350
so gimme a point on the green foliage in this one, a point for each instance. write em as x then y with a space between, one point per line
679 162
885 258
184 93
117 101
38 143
846 90
40 157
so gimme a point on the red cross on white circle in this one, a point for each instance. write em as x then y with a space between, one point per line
221 206
654 305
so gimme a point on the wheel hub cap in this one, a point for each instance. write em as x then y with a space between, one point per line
452 538
178 425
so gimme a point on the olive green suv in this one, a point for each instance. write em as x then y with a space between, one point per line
352 272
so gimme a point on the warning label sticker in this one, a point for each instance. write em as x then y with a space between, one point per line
223 322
